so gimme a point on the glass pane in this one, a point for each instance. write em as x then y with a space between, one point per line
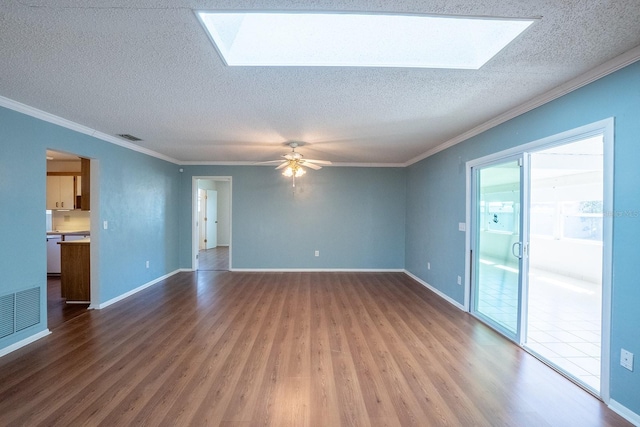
543 219
565 266
583 219
497 268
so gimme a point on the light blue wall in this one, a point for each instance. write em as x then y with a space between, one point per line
137 196
354 216
436 203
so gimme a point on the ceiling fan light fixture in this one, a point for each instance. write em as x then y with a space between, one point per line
293 164
294 169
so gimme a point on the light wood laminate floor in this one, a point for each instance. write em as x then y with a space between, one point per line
285 349
214 259
58 311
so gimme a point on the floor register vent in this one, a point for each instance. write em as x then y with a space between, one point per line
19 310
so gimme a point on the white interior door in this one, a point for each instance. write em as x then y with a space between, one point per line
202 196
211 219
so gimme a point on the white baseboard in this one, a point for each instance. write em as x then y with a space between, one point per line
136 290
436 291
22 343
316 270
624 412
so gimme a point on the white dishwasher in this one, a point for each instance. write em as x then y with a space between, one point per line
53 254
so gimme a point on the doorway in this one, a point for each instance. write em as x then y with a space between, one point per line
539 249
212 223
71 276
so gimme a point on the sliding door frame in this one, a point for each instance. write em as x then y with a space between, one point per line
605 128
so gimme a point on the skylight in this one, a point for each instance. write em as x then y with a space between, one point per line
358 40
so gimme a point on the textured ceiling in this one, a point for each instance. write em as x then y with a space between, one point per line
147 68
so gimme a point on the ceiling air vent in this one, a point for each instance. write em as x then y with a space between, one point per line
129 137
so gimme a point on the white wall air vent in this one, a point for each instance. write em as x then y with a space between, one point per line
128 137
27 308
6 315
19 311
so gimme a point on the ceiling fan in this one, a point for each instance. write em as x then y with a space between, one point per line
294 163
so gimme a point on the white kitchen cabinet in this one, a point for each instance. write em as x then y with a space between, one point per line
60 192
53 254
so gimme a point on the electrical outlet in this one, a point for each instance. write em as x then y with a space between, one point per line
626 359
147 264
459 280
317 253
428 266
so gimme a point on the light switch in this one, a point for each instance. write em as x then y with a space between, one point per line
462 226
105 224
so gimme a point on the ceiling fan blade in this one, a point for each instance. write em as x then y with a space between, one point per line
320 162
310 165
267 162
282 165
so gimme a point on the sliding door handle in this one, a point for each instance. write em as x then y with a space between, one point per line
513 250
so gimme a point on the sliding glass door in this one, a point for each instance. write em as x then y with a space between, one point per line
540 251
497 250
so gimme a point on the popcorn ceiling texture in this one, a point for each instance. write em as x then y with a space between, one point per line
147 68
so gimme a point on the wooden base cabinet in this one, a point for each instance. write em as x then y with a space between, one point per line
75 276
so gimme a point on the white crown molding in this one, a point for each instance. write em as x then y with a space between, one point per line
56 120
333 164
317 270
216 163
602 70
368 165
134 147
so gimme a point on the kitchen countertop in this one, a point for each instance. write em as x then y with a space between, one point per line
84 241
68 233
